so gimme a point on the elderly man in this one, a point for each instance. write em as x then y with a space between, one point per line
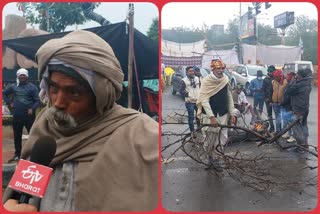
107 155
24 102
215 106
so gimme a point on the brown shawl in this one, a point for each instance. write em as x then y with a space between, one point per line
117 150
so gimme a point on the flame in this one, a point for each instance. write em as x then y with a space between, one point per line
259 127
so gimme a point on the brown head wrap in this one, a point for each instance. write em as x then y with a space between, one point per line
87 50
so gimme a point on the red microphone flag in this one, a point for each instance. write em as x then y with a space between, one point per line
31 178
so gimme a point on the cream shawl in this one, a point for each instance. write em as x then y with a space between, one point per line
210 85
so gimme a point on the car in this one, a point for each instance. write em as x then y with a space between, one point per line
297 65
232 79
245 73
181 73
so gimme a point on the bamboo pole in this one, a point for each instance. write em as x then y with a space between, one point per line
130 55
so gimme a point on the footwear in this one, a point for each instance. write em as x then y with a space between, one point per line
286 135
15 158
291 139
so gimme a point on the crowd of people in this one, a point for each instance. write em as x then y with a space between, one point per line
210 100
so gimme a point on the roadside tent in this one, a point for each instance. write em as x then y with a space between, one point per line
145 53
145 50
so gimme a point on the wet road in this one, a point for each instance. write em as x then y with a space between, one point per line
187 186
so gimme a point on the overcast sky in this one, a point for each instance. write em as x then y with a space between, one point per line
114 12
195 14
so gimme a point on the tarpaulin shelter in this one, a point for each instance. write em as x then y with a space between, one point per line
145 49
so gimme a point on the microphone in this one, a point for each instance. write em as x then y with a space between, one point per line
32 177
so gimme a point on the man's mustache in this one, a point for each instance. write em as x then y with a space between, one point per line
61 118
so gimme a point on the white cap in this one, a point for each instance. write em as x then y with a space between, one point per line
22 71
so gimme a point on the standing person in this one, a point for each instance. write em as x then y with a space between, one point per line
215 106
299 91
197 73
190 85
286 112
267 90
107 155
258 94
279 83
24 102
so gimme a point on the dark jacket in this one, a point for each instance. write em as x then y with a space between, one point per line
25 96
299 91
286 99
267 88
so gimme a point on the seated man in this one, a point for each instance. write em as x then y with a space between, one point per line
241 103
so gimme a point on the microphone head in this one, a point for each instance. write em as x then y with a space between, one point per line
43 150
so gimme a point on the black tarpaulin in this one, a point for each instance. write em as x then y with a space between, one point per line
145 50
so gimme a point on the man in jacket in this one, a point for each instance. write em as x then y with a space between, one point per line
279 84
258 94
24 102
299 91
267 90
190 85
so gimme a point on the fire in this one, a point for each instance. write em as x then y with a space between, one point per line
258 127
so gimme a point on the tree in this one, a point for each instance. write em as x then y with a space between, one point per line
153 31
268 35
307 30
55 17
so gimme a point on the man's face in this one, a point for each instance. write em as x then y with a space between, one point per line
190 72
22 78
69 96
218 72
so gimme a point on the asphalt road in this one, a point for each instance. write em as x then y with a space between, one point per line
187 186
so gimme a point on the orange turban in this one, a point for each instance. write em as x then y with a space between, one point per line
216 64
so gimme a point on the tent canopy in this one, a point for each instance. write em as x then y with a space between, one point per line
145 50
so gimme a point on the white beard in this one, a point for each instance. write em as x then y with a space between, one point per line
61 119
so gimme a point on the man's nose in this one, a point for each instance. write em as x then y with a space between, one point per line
61 101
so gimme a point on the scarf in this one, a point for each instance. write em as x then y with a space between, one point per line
210 85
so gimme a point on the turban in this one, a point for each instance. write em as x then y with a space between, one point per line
217 64
22 71
88 51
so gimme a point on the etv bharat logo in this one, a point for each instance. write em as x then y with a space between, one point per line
34 176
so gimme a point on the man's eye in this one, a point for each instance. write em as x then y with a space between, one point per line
53 89
75 92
